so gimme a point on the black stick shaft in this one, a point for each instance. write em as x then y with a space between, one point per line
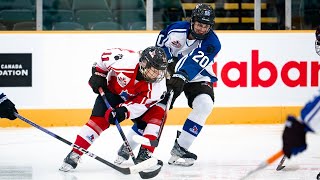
143 175
122 170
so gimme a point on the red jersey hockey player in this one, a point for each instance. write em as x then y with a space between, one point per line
133 82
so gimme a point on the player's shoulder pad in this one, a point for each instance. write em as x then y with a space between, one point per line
212 43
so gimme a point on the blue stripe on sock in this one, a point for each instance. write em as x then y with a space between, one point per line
135 129
192 127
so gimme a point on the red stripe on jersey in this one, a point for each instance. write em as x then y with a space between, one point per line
104 56
148 95
150 90
100 70
106 53
123 70
105 59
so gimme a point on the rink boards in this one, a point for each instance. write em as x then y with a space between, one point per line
177 116
263 76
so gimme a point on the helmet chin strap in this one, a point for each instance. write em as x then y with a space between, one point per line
198 36
139 75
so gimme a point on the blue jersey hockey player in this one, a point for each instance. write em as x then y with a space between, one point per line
190 47
7 108
294 134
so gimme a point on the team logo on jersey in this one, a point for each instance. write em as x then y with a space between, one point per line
210 49
124 95
90 138
194 130
123 80
118 56
176 44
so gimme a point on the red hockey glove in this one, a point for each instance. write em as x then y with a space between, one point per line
294 137
119 113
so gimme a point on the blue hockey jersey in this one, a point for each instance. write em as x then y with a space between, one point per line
310 113
195 57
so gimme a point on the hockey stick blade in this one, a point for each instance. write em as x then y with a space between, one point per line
145 141
264 164
143 165
280 165
129 170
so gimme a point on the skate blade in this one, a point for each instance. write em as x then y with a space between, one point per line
144 165
177 161
119 160
66 167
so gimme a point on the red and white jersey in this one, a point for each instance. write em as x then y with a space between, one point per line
121 67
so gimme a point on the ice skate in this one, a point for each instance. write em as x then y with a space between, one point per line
123 155
70 162
145 154
180 156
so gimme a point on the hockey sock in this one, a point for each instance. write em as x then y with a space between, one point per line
201 108
151 133
133 131
90 132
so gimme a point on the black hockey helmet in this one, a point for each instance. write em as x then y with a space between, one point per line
317 43
202 13
153 64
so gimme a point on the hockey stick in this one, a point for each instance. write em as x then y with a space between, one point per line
264 164
280 165
145 141
143 175
130 170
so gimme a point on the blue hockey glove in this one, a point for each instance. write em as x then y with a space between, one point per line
177 82
7 109
294 137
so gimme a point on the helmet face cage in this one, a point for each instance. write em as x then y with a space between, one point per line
153 64
202 13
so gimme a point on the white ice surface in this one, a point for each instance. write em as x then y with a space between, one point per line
224 152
